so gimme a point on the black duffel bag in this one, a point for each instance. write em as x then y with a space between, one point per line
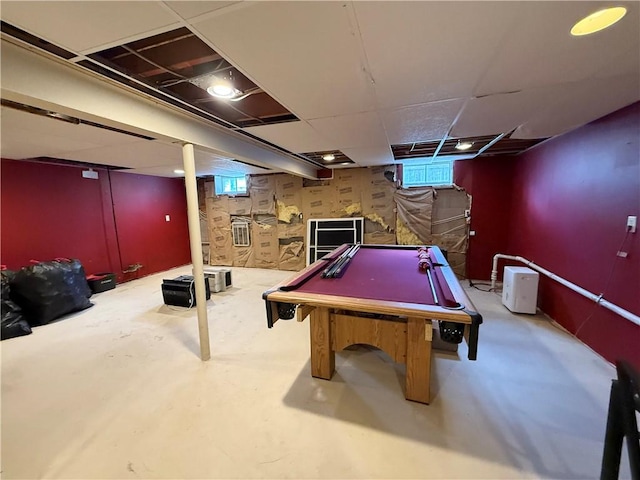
47 290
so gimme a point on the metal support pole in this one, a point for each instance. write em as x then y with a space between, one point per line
195 239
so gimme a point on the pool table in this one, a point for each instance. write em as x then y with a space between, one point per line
386 296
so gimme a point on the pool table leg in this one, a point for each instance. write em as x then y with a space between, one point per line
323 358
417 383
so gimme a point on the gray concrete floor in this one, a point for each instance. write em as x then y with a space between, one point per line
118 391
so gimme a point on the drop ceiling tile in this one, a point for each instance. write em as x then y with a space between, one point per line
297 137
348 131
192 9
542 52
211 164
370 156
420 52
420 123
88 24
500 113
581 103
307 55
141 154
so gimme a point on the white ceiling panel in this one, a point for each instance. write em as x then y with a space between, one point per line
370 156
88 24
142 154
581 103
347 131
541 51
426 51
307 55
297 137
420 123
81 134
501 113
210 164
192 9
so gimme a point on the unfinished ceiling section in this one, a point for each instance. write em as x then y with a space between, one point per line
182 66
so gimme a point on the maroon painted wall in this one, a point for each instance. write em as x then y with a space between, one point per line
572 196
50 211
140 203
489 181
564 205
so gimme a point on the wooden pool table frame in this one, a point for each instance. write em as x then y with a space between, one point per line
402 330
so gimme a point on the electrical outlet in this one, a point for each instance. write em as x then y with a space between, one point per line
632 222
167 218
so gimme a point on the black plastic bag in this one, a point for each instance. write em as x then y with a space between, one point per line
48 290
12 323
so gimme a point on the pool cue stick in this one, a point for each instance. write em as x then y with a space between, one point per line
328 272
338 272
342 261
433 289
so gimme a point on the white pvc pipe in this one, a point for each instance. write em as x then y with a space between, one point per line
195 239
591 296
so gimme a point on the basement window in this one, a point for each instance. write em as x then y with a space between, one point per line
240 233
427 172
230 185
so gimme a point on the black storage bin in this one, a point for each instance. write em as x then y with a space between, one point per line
101 282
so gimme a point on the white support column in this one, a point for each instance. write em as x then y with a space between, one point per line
195 239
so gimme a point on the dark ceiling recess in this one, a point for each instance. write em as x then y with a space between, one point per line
36 41
74 163
176 62
340 158
481 146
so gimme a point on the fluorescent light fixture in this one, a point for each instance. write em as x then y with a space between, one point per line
178 171
598 21
463 145
329 157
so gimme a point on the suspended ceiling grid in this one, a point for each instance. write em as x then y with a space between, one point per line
362 77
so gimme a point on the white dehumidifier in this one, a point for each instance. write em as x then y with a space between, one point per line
520 289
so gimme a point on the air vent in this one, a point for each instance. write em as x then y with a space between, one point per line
240 232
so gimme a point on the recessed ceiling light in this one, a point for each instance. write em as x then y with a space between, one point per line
463 145
329 157
178 171
223 90
598 21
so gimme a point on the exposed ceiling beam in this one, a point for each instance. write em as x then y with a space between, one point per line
32 78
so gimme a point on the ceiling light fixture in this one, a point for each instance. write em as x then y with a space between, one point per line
463 145
223 90
329 157
598 21
178 171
